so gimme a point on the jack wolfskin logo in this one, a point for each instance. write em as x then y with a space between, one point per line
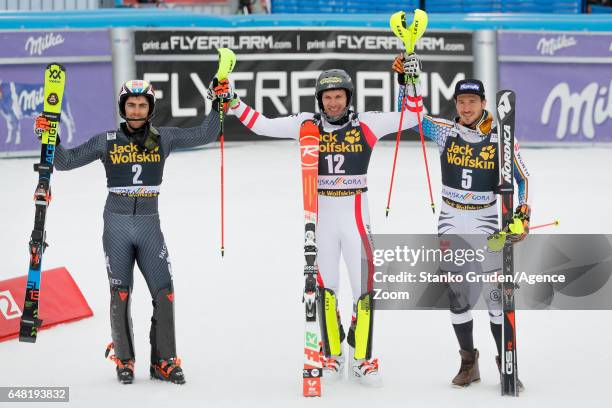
352 136
487 152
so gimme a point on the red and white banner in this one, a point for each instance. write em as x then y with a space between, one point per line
61 301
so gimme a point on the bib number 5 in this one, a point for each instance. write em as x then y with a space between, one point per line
466 179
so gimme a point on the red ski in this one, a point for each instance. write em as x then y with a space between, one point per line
313 366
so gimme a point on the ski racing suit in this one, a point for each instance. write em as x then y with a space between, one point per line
343 225
132 231
469 213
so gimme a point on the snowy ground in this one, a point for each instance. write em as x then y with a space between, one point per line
239 320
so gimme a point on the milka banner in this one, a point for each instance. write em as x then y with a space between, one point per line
276 70
88 105
563 82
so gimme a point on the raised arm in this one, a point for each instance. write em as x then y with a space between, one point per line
93 149
434 129
437 130
384 123
173 138
284 127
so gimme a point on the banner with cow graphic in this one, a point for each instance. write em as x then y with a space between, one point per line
88 106
563 83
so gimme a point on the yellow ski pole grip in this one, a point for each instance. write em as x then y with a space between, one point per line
411 34
227 60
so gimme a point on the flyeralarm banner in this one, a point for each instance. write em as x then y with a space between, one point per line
276 70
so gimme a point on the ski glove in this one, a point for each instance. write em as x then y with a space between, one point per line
521 216
513 233
407 66
41 125
221 91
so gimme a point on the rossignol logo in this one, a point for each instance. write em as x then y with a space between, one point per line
507 169
121 154
464 156
329 143
309 149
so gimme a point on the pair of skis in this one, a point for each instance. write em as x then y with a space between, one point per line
55 80
313 365
505 105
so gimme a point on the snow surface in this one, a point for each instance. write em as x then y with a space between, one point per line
239 320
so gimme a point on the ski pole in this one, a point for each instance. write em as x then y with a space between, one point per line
418 112
397 142
227 60
409 36
554 223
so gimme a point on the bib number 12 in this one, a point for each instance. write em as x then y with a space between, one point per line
334 163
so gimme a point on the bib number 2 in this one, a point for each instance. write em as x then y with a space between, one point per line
137 169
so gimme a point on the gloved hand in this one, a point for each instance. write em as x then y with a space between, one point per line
41 125
220 89
513 233
222 92
521 217
407 66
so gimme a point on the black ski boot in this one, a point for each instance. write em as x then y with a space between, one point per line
121 330
125 371
165 366
168 370
125 368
